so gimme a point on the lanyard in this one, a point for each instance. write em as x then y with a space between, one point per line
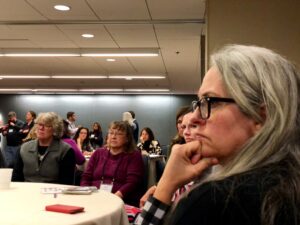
118 165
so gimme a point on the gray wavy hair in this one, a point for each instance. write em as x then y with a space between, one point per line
53 119
259 78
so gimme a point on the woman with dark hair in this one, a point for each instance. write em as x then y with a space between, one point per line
179 139
118 167
82 140
30 117
96 137
148 145
80 159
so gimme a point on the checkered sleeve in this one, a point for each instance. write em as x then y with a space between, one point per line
153 213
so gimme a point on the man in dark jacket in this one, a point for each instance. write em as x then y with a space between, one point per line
13 138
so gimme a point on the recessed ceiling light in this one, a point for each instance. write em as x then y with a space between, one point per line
110 60
87 35
62 7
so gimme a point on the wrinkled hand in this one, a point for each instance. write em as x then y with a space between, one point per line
145 197
184 165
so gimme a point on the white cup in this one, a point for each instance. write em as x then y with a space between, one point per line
5 178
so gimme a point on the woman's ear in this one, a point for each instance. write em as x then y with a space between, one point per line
263 115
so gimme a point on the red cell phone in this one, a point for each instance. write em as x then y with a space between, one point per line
64 208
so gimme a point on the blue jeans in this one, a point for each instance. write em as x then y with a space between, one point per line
11 153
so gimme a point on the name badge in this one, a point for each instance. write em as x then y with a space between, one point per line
92 135
106 187
10 130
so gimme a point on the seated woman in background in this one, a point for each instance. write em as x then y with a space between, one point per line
30 117
79 158
83 141
96 137
117 168
31 135
178 139
190 127
148 145
47 158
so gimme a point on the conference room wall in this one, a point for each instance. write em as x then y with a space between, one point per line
155 111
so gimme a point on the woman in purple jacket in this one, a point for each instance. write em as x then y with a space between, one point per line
117 168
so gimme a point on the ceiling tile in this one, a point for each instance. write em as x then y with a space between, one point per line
79 10
177 9
120 9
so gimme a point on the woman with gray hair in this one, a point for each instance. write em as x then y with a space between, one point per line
47 158
249 112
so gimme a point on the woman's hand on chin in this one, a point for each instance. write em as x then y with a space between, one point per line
184 165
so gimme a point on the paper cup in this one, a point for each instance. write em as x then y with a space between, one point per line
5 178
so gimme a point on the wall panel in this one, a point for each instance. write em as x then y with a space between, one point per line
155 111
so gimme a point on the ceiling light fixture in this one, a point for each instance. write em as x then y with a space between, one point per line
83 91
147 90
24 76
136 77
15 90
87 35
101 90
54 90
120 52
110 60
78 77
62 7
14 52
76 52
40 55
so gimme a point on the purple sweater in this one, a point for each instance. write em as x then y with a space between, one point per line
79 158
127 169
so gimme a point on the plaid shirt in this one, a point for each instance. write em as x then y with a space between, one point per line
153 213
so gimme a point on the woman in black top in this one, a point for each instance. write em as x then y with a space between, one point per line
96 137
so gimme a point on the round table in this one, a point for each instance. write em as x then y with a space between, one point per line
24 203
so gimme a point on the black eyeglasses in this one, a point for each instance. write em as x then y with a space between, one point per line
204 105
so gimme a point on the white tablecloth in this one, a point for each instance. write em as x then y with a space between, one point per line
24 204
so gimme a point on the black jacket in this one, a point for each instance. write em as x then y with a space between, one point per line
236 200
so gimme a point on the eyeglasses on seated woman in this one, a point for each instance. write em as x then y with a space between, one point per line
118 167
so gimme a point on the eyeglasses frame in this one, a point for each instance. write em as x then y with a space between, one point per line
197 104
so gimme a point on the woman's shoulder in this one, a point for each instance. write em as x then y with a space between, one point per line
249 185
219 199
101 151
154 142
29 144
69 141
